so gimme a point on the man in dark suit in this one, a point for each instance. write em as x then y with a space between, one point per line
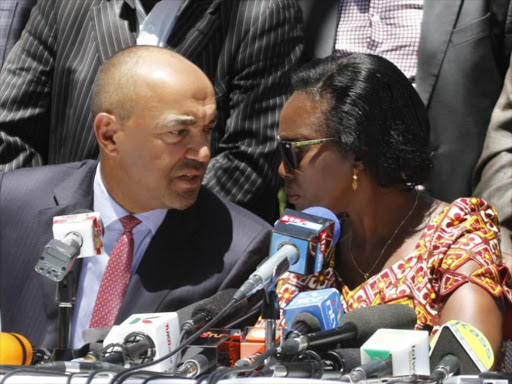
13 16
154 112
463 53
245 47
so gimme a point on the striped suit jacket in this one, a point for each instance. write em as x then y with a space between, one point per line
245 47
13 16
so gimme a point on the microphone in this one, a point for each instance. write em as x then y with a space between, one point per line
376 367
465 343
216 347
447 367
15 349
330 365
197 315
355 327
195 366
136 346
75 366
408 350
76 235
142 338
300 242
317 369
302 324
345 358
313 311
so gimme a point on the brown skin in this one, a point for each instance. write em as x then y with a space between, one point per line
324 178
157 157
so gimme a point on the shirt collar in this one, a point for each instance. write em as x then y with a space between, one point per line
110 211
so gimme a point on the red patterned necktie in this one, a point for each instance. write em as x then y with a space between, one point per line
116 277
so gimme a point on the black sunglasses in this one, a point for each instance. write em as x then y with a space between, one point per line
289 149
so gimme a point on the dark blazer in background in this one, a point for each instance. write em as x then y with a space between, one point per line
195 253
13 16
493 173
245 47
463 54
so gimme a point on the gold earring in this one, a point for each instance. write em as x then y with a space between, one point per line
354 180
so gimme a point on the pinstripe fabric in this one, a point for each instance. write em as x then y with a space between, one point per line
13 16
245 47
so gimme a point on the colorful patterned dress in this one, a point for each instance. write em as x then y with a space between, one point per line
466 230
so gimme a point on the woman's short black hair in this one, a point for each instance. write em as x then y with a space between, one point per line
375 111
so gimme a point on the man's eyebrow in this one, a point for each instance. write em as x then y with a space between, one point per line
174 120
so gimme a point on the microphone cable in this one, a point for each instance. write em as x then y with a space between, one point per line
129 371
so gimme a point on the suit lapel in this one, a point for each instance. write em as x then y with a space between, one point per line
74 193
439 21
194 27
115 28
174 240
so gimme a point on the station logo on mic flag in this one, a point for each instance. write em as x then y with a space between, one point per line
162 328
324 304
312 235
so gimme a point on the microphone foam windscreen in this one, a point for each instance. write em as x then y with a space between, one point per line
15 349
326 214
349 358
214 304
369 319
309 319
186 313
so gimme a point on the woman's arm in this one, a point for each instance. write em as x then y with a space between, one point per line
474 305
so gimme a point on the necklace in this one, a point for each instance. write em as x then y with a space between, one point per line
367 273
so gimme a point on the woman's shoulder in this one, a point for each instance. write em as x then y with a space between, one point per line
467 214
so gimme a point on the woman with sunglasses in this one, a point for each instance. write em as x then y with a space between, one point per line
354 139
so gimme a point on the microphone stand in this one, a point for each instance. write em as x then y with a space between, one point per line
65 298
270 312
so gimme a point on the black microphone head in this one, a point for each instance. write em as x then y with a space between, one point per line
369 319
346 358
214 304
302 324
208 307
309 319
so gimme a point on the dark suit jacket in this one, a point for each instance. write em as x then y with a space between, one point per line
245 47
195 253
463 55
13 16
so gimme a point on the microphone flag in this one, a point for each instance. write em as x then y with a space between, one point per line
163 329
408 350
312 233
467 343
324 304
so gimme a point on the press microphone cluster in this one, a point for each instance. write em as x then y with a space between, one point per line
339 348
355 328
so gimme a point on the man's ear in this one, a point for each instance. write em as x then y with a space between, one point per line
106 127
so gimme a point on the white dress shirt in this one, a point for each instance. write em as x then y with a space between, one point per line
93 267
156 27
